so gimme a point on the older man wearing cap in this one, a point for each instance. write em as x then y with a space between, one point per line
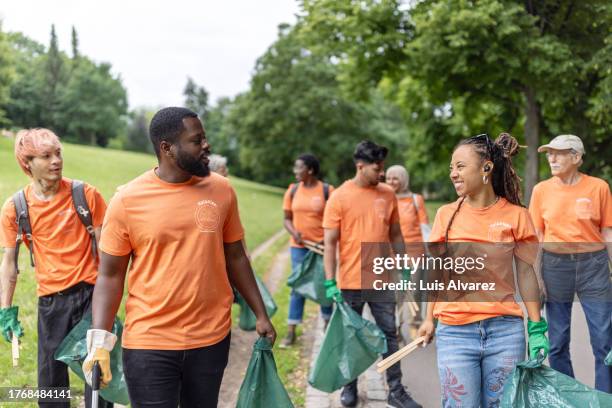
572 213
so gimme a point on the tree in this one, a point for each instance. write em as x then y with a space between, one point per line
196 98
6 75
54 78
294 105
461 67
137 138
75 45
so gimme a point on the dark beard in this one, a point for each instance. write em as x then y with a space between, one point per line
191 165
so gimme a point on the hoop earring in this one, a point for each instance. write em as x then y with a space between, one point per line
485 179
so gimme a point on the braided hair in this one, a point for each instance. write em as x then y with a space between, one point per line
505 181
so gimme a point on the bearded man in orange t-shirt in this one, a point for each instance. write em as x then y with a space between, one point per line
179 226
572 213
62 249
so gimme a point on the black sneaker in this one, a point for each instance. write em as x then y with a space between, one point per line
348 397
401 399
288 341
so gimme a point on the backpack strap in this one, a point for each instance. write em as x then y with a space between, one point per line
82 209
325 191
24 228
293 190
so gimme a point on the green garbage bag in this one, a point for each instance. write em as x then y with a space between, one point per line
351 345
532 384
246 318
608 360
308 279
261 387
73 350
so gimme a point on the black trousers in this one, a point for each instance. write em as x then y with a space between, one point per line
57 315
167 378
384 315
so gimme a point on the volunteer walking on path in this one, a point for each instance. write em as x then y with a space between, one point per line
303 205
363 210
479 342
572 213
59 220
179 225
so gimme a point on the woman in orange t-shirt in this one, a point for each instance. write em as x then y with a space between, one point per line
480 335
303 205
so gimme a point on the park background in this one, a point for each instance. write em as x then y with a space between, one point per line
416 76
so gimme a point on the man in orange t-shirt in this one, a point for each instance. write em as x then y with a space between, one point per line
61 246
303 206
572 213
364 210
179 225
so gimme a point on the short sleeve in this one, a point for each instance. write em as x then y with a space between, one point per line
333 213
287 199
331 189
535 211
423 217
8 226
232 227
527 243
115 237
97 205
606 206
437 230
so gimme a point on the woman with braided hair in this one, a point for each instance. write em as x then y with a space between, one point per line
480 336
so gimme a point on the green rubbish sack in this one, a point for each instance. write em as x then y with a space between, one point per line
308 279
261 387
609 358
532 384
246 318
73 350
351 345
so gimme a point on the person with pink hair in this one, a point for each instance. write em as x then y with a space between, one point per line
63 251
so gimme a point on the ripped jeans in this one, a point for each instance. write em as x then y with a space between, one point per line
474 360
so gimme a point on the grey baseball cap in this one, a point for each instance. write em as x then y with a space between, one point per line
564 142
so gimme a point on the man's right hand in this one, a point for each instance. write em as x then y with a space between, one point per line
427 329
298 238
9 324
99 345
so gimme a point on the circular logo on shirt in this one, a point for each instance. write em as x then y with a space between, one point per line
500 232
584 208
316 203
380 208
207 216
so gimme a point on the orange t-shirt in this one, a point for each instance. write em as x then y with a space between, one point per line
179 295
502 223
62 246
361 214
307 207
411 218
575 213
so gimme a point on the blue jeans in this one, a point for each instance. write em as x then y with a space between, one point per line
296 302
588 276
474 360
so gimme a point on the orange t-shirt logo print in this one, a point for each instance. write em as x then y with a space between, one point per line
500 232
584 208
207 216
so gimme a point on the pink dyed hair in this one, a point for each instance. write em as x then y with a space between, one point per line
30 143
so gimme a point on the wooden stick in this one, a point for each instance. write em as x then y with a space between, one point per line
15 348
398 355
314 244
312 248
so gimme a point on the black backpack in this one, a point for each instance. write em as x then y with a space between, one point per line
296 185
24 228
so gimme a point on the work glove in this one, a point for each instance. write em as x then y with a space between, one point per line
406 273
99 345
537 338
9 323
332 291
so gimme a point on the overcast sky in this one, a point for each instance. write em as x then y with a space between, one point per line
155 45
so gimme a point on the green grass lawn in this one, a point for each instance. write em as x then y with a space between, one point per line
260 210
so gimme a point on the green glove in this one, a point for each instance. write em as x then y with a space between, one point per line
9 323
332 291
537 338
406 274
